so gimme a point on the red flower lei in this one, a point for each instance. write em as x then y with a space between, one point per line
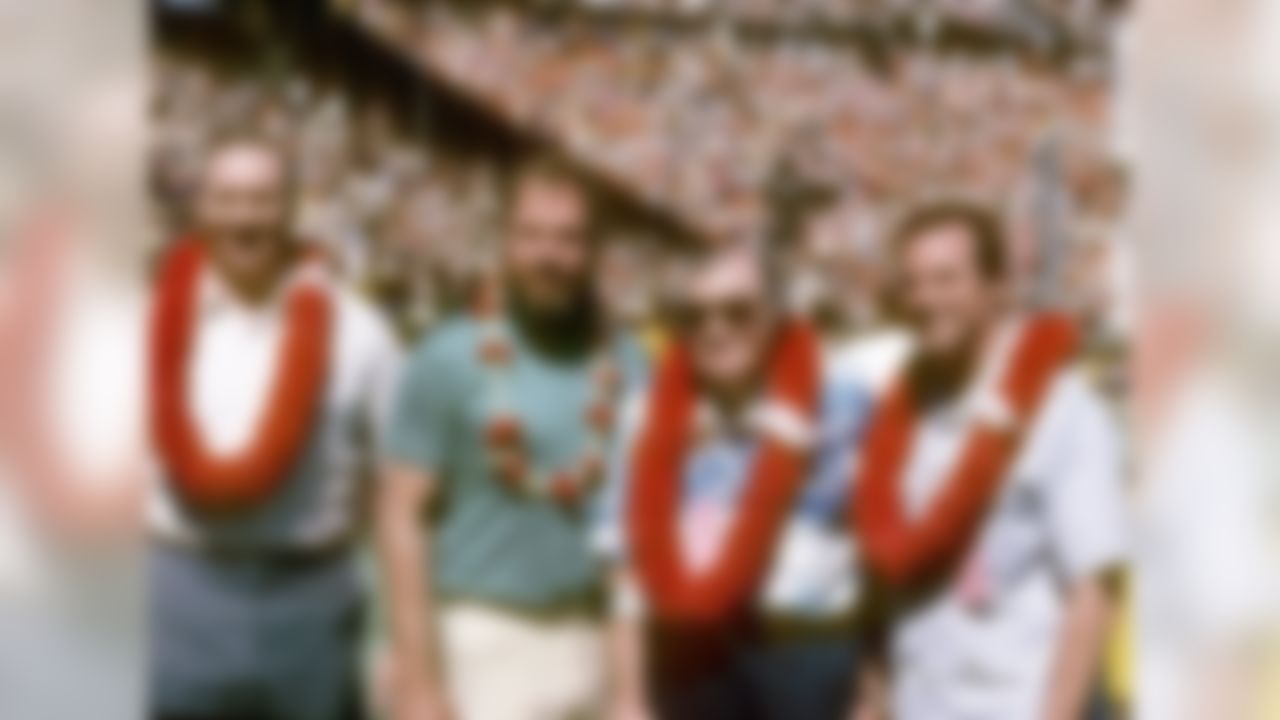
204 478
676 592
906 553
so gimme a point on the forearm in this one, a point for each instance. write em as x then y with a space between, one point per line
626 647
871 676
404 556
1074 672
626 659
408 604
871 685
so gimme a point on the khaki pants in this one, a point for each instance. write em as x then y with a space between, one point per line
502 665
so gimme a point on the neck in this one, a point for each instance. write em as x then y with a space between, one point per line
733 398
942 376
255 288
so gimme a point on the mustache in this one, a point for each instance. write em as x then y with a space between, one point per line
552 267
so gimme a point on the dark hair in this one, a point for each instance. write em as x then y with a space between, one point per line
981 224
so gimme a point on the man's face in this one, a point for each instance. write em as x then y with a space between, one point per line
548 248
242 210
948 299
726 319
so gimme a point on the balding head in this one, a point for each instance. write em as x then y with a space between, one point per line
247 163
242 211
736 263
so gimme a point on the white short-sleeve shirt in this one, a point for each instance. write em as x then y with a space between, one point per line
234 364
982 647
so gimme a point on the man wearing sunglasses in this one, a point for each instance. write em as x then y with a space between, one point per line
724 518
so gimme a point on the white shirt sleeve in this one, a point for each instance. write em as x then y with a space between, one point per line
1087 502
384 362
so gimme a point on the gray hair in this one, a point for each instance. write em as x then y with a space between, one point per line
763 256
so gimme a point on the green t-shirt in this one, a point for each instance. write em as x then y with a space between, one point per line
491 543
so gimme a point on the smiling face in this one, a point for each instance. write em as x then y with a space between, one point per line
952 284
549 252
726 318
242 211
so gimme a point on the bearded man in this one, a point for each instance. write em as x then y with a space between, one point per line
989 505
496 455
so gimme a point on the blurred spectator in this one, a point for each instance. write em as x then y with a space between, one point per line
697 121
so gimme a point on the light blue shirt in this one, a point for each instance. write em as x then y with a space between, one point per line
492 544
812 574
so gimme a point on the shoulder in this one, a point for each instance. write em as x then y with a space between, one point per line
1073 396
449 347
632 359
1075 411
871 361
857 373
363 325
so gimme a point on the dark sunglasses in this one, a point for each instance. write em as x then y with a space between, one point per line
735 314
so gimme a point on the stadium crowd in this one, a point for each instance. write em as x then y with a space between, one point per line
711 128
703 121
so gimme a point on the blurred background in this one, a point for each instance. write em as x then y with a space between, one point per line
808 124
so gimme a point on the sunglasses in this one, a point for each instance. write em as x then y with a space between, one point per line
734 314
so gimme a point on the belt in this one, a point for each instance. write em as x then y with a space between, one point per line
784 629
283 557
758 628
590 606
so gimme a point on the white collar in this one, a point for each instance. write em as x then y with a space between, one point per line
216 297
764 416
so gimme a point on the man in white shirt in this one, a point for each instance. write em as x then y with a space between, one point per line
268 386
989 501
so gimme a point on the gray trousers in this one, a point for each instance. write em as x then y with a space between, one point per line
252 636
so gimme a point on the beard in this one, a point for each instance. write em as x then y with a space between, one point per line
939 376
563 328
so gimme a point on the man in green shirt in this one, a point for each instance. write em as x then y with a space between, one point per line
498 441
